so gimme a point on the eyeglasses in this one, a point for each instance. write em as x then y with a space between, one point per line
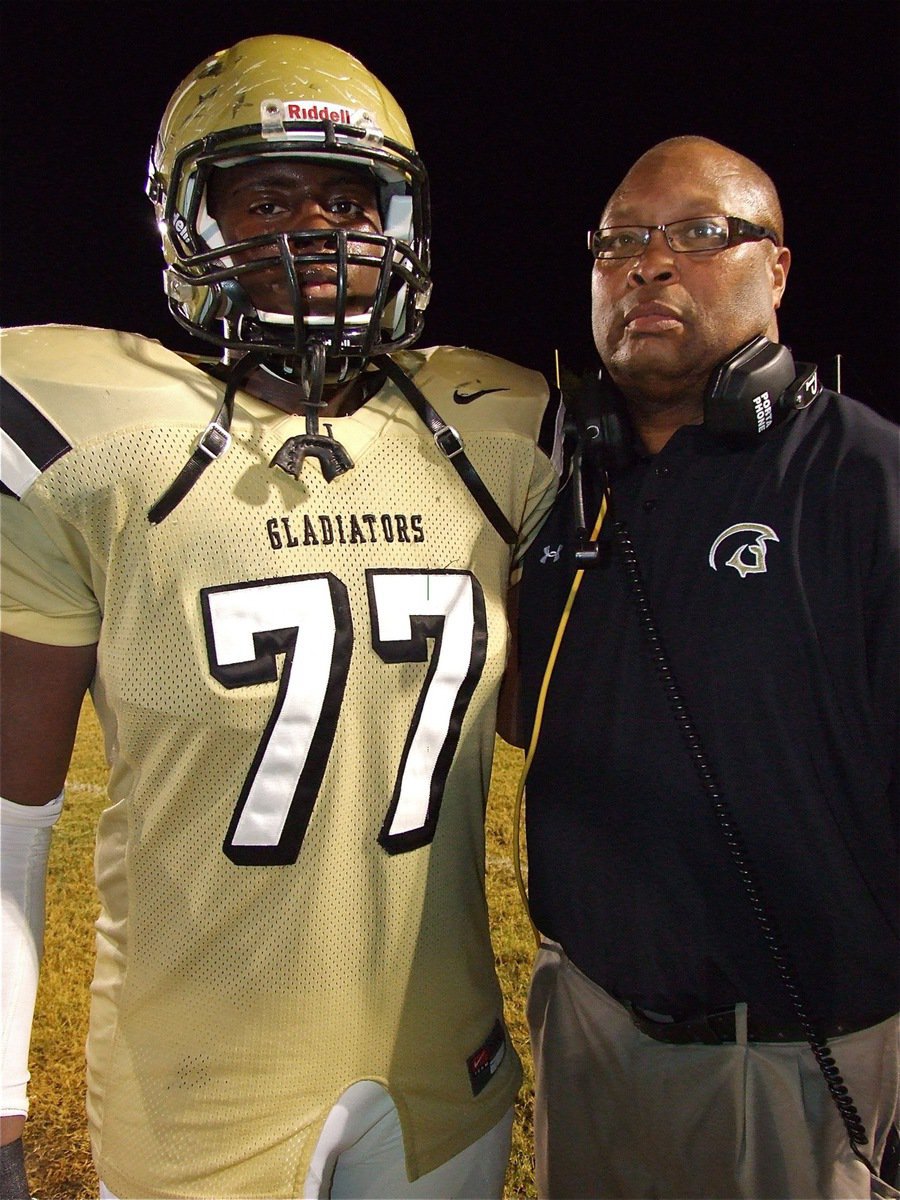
694 235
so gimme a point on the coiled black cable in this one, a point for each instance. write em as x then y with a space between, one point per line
840 1094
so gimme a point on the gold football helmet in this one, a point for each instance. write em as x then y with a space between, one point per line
290 96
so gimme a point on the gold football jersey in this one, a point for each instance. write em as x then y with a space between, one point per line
297 681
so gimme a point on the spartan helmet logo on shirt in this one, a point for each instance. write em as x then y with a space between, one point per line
749 558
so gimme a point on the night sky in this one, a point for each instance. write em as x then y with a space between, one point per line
526 114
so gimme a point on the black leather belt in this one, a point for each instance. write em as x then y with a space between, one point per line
718 1028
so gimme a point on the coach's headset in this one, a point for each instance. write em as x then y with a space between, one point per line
756 388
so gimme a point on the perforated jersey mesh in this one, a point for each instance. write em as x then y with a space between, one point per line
234 1002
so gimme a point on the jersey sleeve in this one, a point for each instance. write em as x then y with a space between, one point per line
44 597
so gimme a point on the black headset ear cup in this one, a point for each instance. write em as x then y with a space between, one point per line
603 426
751 390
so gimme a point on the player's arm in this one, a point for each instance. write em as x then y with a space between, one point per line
41 691
41 694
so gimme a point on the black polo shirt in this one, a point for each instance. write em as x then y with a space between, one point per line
771 571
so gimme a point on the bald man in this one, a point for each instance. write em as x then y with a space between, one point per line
712 802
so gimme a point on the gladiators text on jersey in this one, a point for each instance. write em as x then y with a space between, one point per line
344 529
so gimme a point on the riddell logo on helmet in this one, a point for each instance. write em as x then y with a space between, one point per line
298 110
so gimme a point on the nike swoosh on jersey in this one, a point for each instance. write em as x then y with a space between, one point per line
468 397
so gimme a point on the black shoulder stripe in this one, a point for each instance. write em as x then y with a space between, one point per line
30 442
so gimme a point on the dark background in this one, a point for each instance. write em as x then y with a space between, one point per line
526 114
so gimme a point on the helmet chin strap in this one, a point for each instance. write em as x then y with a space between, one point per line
310 353
216 438
211 445
333 458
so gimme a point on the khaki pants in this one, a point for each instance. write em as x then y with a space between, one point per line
618 1114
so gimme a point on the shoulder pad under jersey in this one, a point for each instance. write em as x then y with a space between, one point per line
477 392
64 385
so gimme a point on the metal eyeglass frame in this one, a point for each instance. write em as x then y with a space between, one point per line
739 230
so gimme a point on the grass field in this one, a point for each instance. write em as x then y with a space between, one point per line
57 1146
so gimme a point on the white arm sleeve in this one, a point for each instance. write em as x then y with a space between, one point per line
24 846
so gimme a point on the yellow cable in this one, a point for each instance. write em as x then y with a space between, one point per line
536 727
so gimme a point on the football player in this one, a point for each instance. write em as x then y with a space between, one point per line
282 572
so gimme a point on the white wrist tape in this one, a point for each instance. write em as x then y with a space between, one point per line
24 846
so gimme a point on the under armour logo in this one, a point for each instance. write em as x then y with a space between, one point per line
750 556
551 555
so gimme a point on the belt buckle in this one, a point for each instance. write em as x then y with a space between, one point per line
722 1025
709 1029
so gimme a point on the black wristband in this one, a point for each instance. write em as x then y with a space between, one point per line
13 1181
